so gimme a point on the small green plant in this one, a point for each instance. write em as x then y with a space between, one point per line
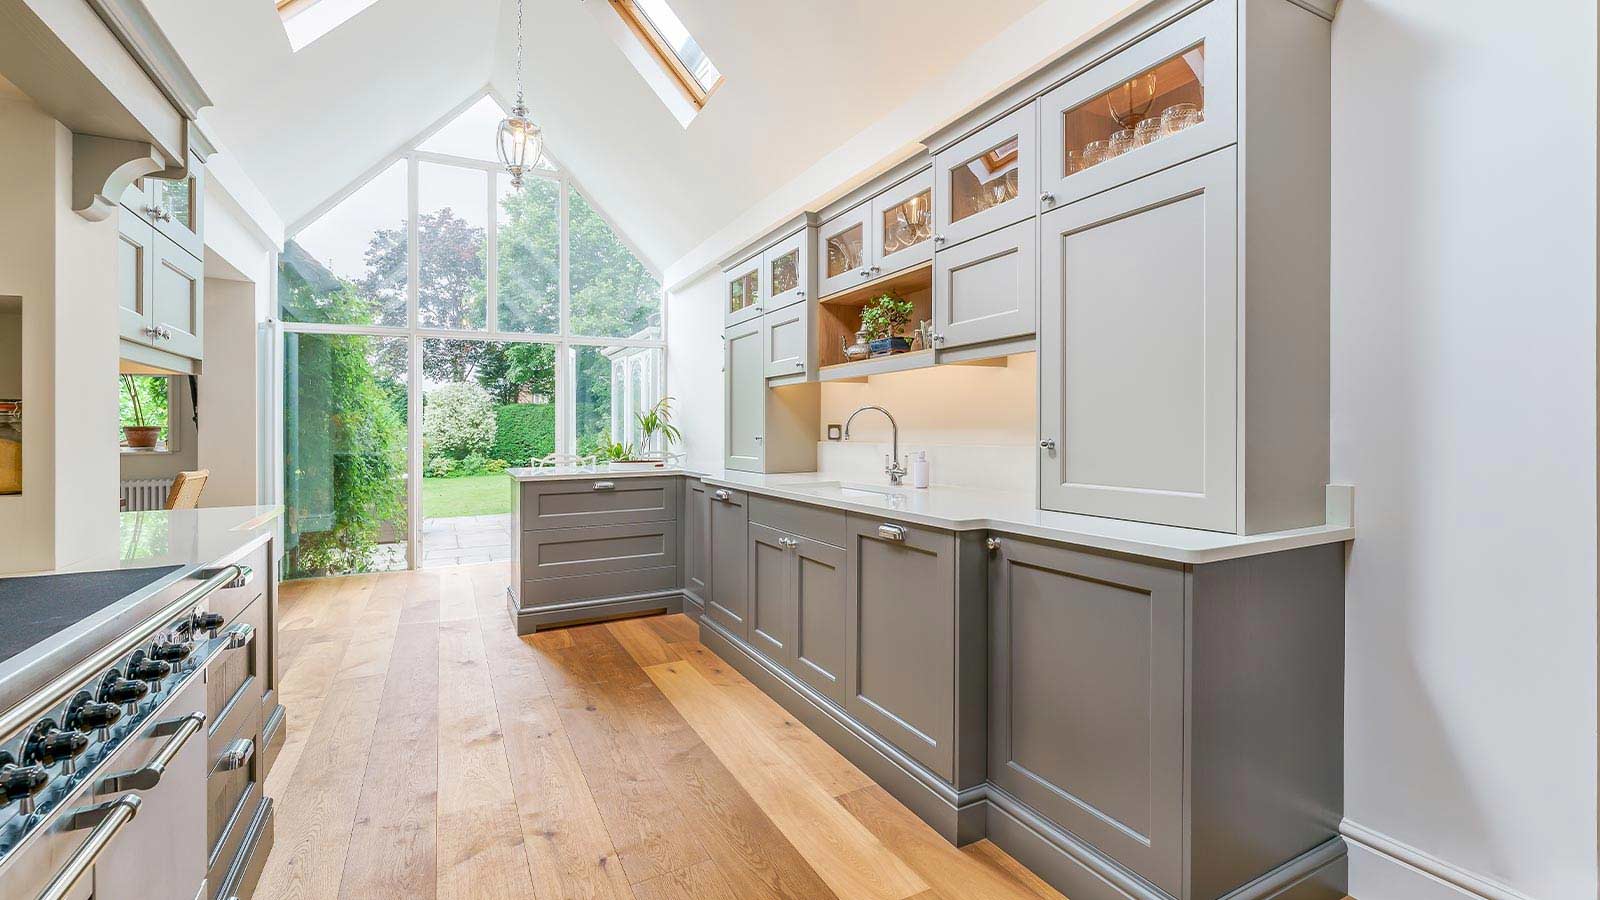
495 466
613 451
441 467
472 464
885 316
138 416
658 420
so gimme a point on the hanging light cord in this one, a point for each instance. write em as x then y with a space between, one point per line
519 53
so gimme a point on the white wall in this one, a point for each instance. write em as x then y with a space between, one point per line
1463 406
694 368
228 444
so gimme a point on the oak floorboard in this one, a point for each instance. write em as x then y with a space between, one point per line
992 856
702 881
641 641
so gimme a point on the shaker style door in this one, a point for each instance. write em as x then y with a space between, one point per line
728 604
987 180
845 251
1138 313
786 340
902 221
987 288
771 601
697 539
818 588
1168 98
177 299
136 254
786 270
746 411
178 207
742 292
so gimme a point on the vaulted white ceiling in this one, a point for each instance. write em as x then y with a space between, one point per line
802 78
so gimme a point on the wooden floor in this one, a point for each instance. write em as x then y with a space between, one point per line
434 754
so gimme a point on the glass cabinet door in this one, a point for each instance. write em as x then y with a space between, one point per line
787 268
986 181
743 291
1150 107
176 206
845 254
903 219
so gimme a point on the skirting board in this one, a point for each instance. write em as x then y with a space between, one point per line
1068 864
579 612
1382 868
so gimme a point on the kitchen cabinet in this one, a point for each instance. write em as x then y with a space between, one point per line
987 180
786 269
1086 698
697 540
1149 107
797 586
744 418
1139 290
902 224
788 341
817 590
175 207
845 253
987 289
771 600
900 637
770 429
728 603
600 500
882 229
160 269
743 299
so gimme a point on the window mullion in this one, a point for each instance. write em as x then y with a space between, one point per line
491 315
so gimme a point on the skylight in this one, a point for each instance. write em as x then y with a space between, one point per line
306 20
664 34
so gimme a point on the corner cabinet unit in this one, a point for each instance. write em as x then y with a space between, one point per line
161 271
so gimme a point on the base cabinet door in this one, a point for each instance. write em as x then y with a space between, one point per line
745 415
728 604
697 540
1086 698
771 606
818 589
900 635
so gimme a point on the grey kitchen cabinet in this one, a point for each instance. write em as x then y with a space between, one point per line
697 540
160 298
598 549
136 253
987 289
742 286
175 207
786 269
789 341
771 628
817 592
744 372
987 180
1087 691
902 224
900 637
881 228
598 501
844 252
728 604
1140 291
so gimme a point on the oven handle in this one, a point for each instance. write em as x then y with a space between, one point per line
146 778
107 819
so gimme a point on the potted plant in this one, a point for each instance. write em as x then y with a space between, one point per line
658 420
883 319
141 434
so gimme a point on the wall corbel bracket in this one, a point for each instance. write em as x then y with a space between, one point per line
102 168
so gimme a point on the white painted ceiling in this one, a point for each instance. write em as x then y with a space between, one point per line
802 78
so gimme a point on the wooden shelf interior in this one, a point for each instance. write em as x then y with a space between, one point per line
839 315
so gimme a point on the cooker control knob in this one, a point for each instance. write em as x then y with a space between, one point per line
126 691
20 783
86 713
176 651
209 621
146 669
48 744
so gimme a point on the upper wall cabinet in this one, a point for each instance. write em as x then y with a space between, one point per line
884 233
786 269
161 273
986 181
1168 98
742 293
173 207
846 250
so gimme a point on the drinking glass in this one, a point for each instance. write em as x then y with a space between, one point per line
1179 116
1095 153
1148 131
1121 142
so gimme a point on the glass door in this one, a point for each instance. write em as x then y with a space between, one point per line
787 265
743 291
903 219
1165 100
986 181
845 253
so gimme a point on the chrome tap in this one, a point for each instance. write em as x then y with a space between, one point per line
891 466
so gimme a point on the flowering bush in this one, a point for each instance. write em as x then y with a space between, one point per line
458 420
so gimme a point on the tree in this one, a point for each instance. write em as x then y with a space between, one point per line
451 289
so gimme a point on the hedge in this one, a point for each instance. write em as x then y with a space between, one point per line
524 431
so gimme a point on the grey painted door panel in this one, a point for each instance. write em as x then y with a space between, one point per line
817 576
771 611
177 298
697 539
786 340
603 501
1138 289
1087 698
987 289
745 416
900 636
598 549
729 601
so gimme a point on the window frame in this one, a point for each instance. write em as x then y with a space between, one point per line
564 339
651 38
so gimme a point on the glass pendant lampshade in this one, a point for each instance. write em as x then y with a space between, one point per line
519 143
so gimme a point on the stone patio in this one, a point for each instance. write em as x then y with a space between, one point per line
466 539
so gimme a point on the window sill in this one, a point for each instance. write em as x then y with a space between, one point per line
151 451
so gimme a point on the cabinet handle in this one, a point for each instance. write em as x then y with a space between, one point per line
158 214
865 273
891 532
759 439
237 756
938 339
720 496
238 637
800 294
939 239
1048 444
605 485
1047 198
992 544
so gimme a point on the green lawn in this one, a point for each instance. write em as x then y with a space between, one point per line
471 495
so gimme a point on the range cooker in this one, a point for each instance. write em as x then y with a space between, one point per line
102 782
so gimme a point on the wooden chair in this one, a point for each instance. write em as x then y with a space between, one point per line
186 488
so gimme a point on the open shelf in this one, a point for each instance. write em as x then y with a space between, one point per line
839 317
917 278
876 365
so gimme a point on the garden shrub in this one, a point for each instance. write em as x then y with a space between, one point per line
458 420
495 466
524 431
440 467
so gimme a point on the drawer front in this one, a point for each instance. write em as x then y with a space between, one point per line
257 846
824 525
598 550
232 601
559 591
233 787
234 678
601 501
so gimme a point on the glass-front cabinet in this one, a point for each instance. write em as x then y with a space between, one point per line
742 293
902 222
1150 107
845 251
987 180
786 266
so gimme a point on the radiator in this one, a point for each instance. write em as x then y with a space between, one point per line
145 493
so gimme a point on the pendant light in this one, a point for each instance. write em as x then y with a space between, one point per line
519 141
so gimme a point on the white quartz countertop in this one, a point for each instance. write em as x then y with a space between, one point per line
574 473
972 509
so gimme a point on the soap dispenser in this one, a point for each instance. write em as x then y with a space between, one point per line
919 470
